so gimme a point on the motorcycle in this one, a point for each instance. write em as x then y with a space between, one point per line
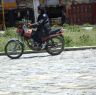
53 43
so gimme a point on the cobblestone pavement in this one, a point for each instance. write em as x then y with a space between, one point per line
70 73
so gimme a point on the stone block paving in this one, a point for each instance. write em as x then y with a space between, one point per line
70 73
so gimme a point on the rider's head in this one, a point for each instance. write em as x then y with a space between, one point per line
41 9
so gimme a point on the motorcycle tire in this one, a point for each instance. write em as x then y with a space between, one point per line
52 46
14 49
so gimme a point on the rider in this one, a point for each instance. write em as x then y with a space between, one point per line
43 25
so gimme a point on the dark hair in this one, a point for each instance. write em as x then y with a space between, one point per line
42 9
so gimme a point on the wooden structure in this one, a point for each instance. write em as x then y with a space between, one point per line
82 13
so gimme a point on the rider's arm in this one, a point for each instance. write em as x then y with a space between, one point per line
43 20
34 25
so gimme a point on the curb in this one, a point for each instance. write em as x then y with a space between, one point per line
66 49
79 48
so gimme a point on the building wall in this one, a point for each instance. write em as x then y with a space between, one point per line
54 2
26 3
9 4
53 8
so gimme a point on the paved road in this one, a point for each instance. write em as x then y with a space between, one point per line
70 73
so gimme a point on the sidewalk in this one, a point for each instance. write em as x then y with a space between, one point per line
2 33
65 49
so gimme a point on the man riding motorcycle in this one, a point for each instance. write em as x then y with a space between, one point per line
43 26
42 39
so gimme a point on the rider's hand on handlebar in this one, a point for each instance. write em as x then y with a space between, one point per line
29 25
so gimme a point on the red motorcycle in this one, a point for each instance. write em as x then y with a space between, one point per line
53 43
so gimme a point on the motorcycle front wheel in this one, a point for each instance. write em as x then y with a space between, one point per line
14 49
55 45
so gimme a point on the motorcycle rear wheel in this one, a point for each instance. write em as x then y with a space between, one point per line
55 45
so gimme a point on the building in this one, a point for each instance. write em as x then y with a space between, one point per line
18 9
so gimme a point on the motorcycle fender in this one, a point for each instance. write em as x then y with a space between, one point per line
14 39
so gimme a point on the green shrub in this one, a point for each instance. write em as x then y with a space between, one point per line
72 28
10 32
68 41
84 38
3 41
65 25
94 28
87 25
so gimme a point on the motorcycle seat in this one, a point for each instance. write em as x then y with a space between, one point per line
54 31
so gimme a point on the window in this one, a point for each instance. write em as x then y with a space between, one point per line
26 3
52 2
83 1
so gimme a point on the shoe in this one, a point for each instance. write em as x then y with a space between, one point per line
43 45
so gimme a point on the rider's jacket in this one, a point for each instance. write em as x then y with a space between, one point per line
43 25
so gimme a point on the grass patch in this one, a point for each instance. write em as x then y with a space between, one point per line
74 35
82 38
10 32
3 41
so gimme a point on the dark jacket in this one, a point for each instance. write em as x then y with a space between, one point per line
43 25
